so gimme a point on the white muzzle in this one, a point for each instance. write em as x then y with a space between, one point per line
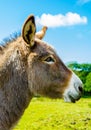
74 89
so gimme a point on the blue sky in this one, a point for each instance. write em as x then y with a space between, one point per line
68 21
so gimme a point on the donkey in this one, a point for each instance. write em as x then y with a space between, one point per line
29 66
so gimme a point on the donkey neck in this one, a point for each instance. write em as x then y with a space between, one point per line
14 92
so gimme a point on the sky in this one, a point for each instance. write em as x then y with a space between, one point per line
68 21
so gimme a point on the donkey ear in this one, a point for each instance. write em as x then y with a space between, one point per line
41 33
28 31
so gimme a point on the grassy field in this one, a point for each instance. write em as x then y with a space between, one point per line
47 114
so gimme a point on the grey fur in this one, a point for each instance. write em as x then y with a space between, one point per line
25 72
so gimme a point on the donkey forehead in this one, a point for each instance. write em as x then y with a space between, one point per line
42 47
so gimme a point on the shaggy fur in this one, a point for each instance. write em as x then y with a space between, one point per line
28 66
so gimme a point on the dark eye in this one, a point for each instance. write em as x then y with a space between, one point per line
49 60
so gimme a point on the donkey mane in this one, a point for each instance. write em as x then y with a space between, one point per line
29 66
11 38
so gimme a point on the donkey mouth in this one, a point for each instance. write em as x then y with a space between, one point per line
71 97
74 99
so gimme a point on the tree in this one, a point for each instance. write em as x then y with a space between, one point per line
84 73
87 86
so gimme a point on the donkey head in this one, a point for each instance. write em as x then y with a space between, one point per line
47 74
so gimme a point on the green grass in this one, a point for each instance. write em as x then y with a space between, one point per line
47 114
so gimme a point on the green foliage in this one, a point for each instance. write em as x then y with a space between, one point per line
82 75
80 67
83 71
88 83
47 114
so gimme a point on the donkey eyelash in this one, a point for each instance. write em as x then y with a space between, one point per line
49 60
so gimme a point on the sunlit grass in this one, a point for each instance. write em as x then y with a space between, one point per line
47 114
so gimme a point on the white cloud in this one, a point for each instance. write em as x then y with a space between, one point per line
58 20
83 1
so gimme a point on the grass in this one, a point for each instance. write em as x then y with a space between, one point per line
47 114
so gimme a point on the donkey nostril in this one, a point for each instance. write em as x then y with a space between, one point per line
80 89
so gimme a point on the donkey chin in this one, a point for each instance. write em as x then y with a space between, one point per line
74 90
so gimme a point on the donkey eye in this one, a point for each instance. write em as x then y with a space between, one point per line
49 60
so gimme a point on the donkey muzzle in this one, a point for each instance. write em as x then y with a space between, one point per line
74 90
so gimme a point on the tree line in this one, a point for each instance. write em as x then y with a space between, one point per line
84 73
